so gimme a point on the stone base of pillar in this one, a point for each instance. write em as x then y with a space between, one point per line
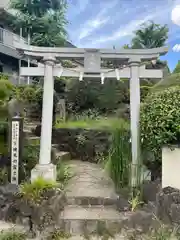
47 171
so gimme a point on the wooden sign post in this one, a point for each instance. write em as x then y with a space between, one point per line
15 143
61 110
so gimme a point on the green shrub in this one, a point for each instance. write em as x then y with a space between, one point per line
58 235
3 77
89 114
160 120
164 233
6 89
63 173
12 235
91 94
29 159
169 81
33 192
4 137
3 175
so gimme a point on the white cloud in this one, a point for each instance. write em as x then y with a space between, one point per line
175 16
124 31
91 26
117 20
128 29
98 21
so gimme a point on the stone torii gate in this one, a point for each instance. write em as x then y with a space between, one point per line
50 67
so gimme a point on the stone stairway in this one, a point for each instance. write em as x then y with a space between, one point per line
91 201
28 130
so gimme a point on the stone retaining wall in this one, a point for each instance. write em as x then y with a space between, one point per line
83 144
36 218
168 205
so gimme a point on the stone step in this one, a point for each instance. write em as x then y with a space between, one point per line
33 138
30 122
28 130
8 226
29 127
55 145
93 201
83 187
62 156
28 133
79 220
116 237
75 212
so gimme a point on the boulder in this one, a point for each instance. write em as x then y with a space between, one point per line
168 205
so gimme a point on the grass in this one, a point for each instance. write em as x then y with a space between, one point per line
34 141
58 235
100 123
118 161
12 235
33 192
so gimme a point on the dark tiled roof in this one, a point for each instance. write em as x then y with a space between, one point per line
69 44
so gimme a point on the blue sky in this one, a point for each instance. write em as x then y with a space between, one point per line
108 23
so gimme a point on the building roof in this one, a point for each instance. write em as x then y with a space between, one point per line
69 44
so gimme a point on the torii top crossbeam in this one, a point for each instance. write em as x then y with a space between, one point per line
92 59
65 53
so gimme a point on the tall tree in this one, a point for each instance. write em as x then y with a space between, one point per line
37 7
150 35
177 68
44 20
126 46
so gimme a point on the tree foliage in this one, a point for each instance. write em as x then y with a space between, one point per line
126 46
37 7
6 90
177 68
50 31
150 35
44 20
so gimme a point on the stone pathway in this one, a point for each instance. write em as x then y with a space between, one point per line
91 200
89 181
7 226
28 130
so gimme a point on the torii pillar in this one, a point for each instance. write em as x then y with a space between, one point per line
45 168
134 114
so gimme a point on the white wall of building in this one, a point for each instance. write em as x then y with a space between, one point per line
4 3
171 167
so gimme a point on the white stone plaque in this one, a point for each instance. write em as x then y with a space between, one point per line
92 62
15 152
